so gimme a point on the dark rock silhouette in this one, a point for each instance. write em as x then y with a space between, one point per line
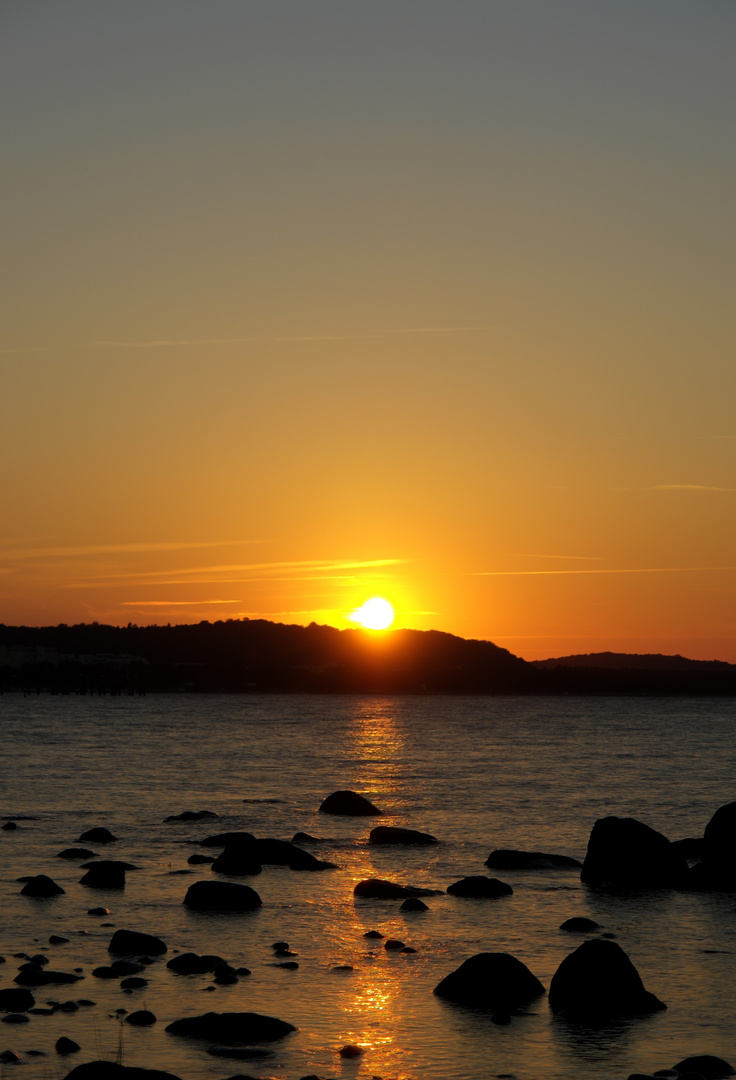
231 1028
236 861
221 896
706 1065
393 944
99 835
135 982
717 869
579 924
480 888
66 1046
35 975
378 889
98 911
229 839
9 826
305 838
351 1051
510 859
389 834
495 981
598 983
349 804
41 887
691 847
133 943
106 874
76 853
198 859
126 967
192 815
141 1018
110 1070
413 904
192 964
623 853
16 1001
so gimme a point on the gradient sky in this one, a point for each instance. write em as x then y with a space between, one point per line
304 302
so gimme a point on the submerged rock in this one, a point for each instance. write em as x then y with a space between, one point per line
231 1028
100 835
134 943
76 853
413 904
221 896
579 924
349 804
511 859
41 887
480 888
390 834
495 981
192 815
598 982
379 889
110 1070
623 853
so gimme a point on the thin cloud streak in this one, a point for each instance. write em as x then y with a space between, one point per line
326 565
686 487
119 549
644 570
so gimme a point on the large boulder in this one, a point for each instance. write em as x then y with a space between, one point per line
717 869
390 834
221 896
133 943
110 1070
16 1001
598 983
106 874
378 889
511 859
623 853
41 887
706 1065
229 839
349 804
236 861
495 981
480 888
231 1029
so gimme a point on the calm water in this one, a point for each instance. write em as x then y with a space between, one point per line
479 773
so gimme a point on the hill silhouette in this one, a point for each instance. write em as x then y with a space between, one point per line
254 655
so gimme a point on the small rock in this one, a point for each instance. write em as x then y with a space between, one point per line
580 925
9 826
197 859
351 1051
132 943
57 939
76 853
221 896
707 1065
279 946
66 1046
141 1018
135 982
413 903
97 836
373 934
8 1056
290 965
98 911
39 959
15 1018
480 888
41 887
391 834
393 944
349 804
343 967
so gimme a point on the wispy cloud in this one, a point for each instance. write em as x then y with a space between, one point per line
686 487
643 570
267 569
118 549
576 558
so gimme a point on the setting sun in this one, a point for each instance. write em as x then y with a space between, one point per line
375 614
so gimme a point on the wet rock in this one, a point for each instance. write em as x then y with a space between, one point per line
107 874
375 934
9 826
379 889
717 869
692 847
57 939
413 904
408 949
342 967
390 834
125 967
706 1065
87 1002
15 1018
190 964
598 982
110 1070
135 982
40 959
98 911
225 976
141 1018
133 943
231 1028
97 836
280 946
66 1006
479 888
42 887
351 1051
349 804
76 853
9 1056
305 838
623 853
34 975
236 861
289 965
67 1046
579 924
272 852
197 859
495 981
511 859
103 972
192 815
393 944
229 839
221 896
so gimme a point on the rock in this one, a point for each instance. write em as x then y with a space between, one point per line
97 836
40 959
133 943
495 981
190 964
196 859
578 924
42 887
67 1046
34 975
598 982
378 889
16 1018
76 853
272 852
413 904
289 965
229 839
9 1056
510 859
141 1018
106 874
305 838
125 967
236 862
351 1051
135 982
349 804
692 847
478 887
110 1070
717 870
225 976
9 826
221 896
390 834
373 934
231 1028
103 972
623 853
56 939
98 911
192 815
705 1065
393 944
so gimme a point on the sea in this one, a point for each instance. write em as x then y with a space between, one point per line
477 772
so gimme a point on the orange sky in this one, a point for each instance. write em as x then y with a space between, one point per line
304 304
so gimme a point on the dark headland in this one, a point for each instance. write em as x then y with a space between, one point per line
256 656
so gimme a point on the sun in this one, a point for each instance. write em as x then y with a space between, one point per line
375 614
